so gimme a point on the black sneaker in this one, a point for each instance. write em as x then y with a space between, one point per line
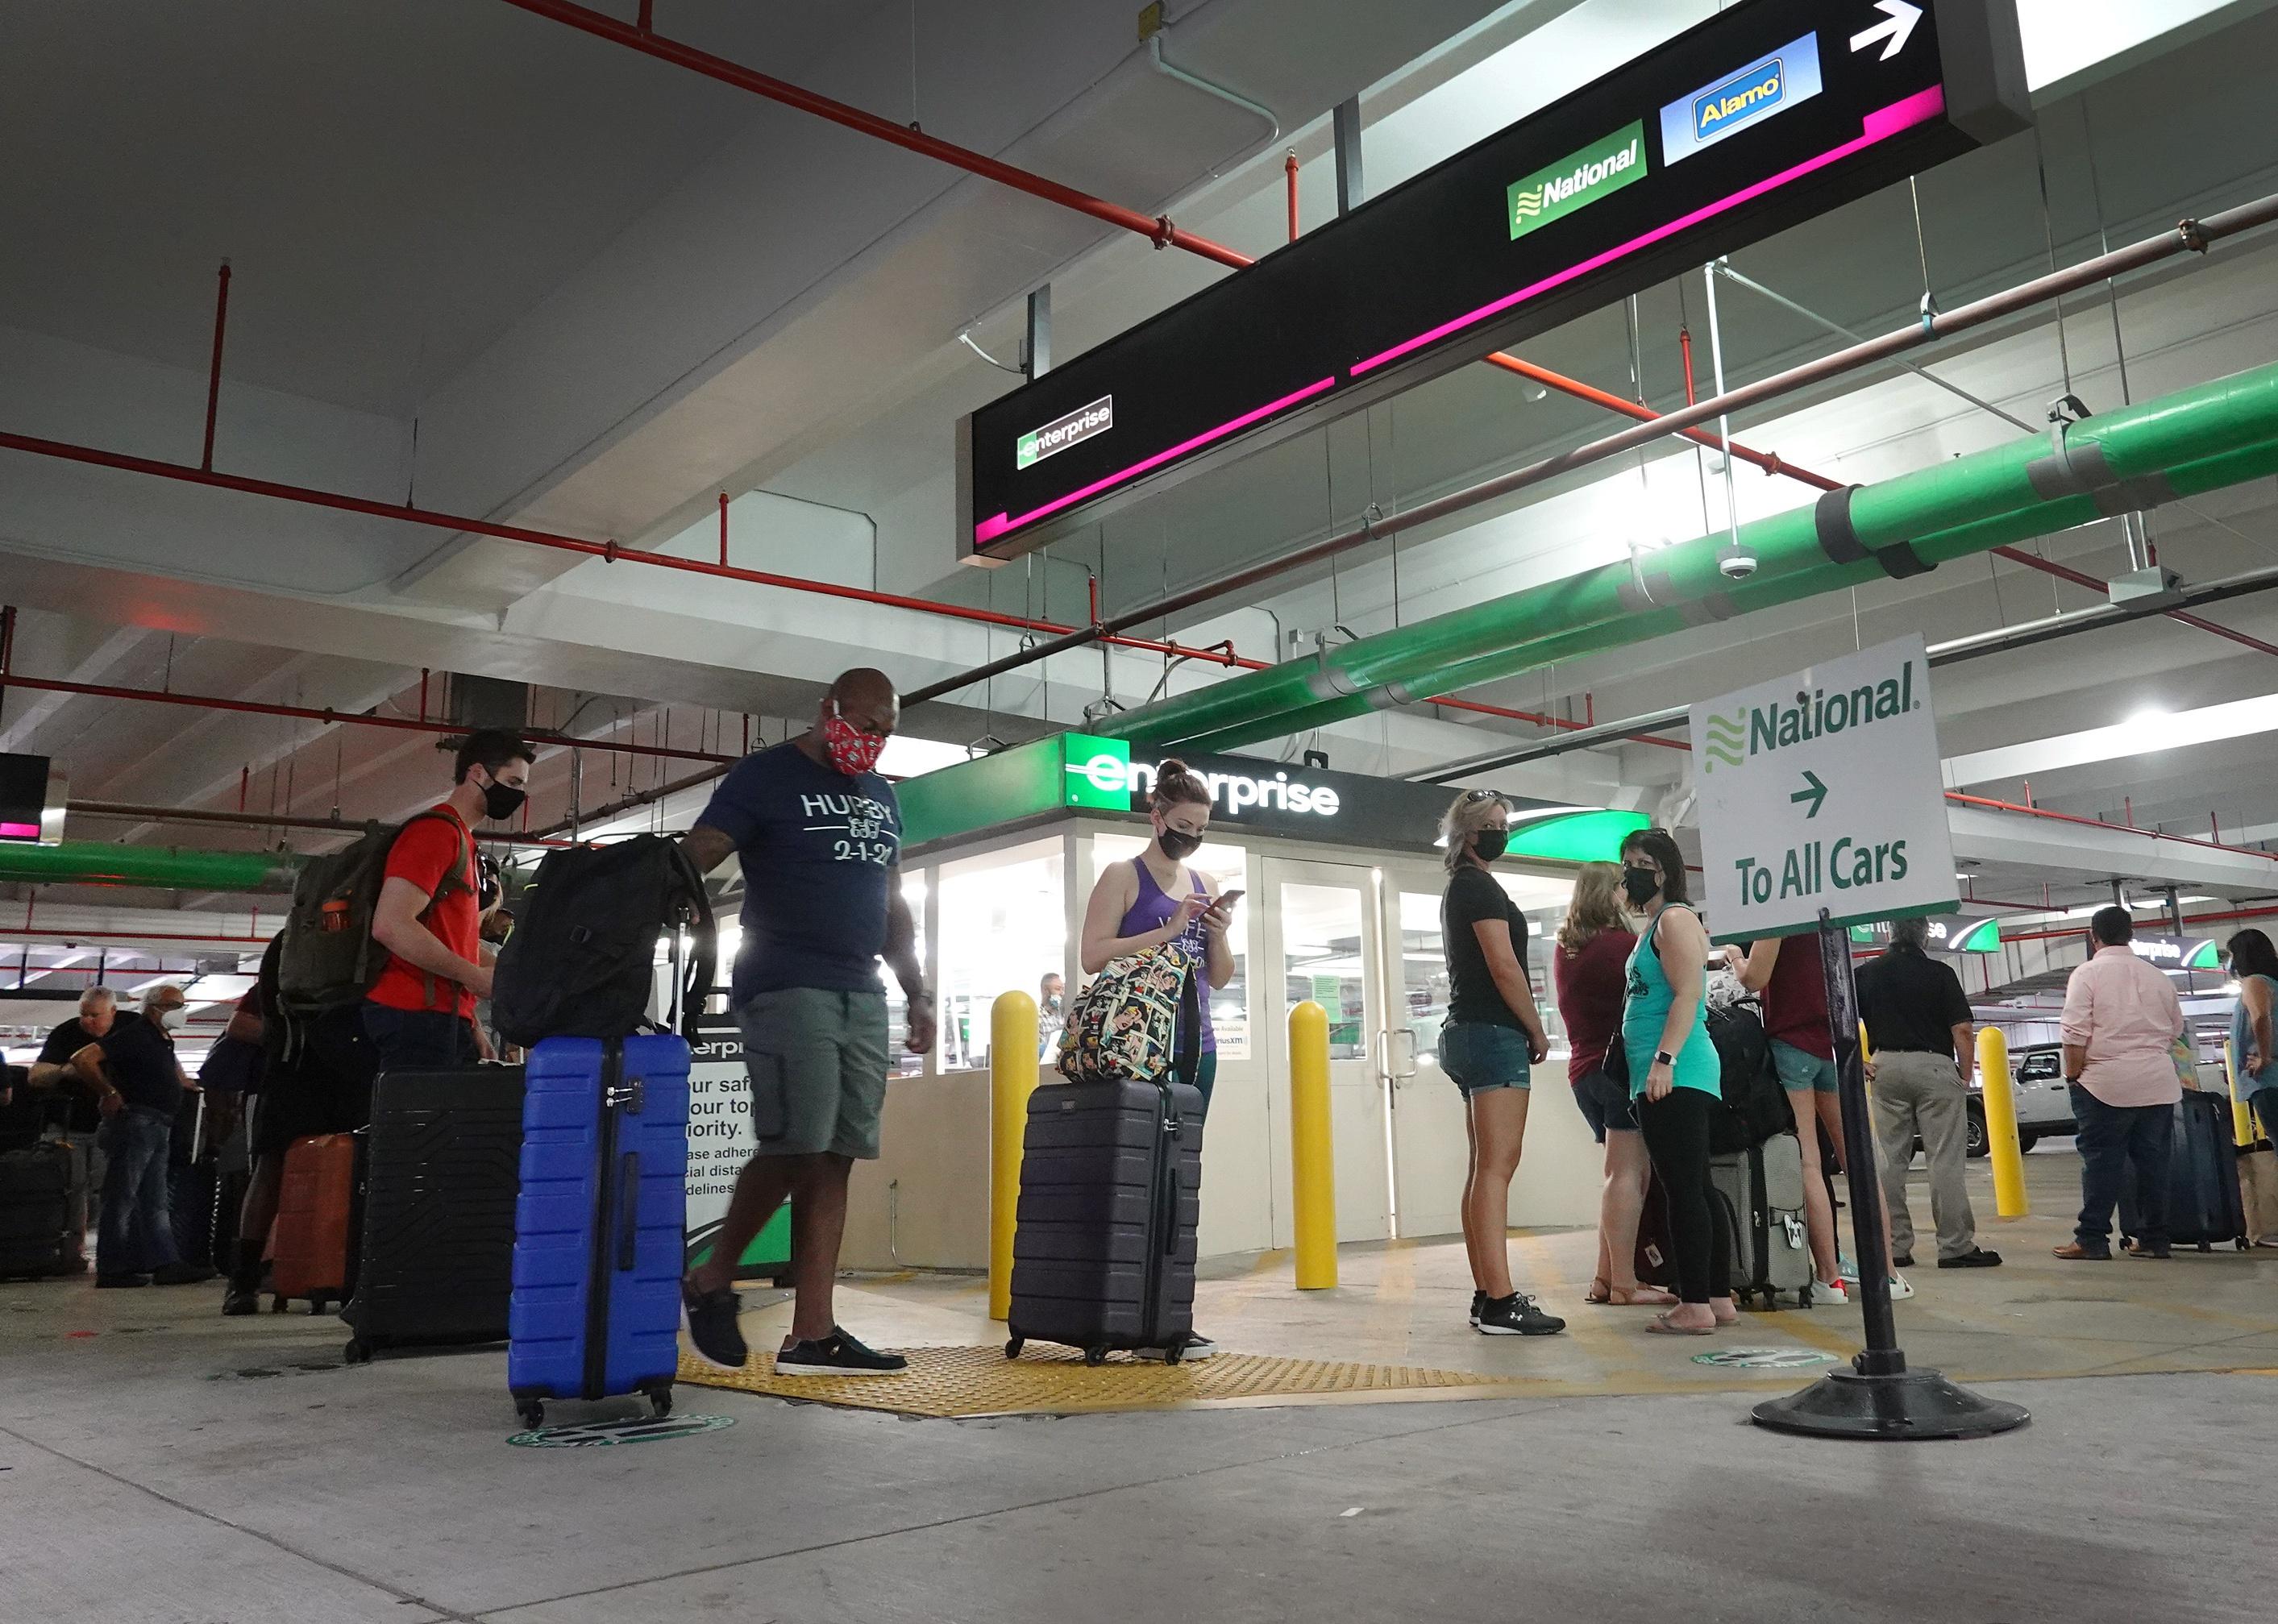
710 1318
1517 1316
109 1283
241 1299
836 1355
1976 1257
1478 1301
1193 1348
182 1274
1905 1260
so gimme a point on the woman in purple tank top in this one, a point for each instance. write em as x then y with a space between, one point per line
1155 899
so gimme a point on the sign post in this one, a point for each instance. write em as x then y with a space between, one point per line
1821 807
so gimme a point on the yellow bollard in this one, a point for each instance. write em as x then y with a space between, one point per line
2001 1122
2242 1114
1011 1079
1312 1151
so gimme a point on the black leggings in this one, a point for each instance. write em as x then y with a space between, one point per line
1677 1136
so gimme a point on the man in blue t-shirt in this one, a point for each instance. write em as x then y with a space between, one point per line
820 835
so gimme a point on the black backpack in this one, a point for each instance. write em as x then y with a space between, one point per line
1754 1104
582 960
329 960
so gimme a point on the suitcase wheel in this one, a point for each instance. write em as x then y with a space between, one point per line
659 1403
1095 1355
1175 1353
1012 1346
279 1306
358 1351
532 1412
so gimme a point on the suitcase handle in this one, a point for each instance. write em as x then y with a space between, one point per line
629 1215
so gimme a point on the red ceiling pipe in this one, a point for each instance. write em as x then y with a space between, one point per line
1958 797
1157 230
245 819
213 376
1289 168
120 935
2196 918
254 707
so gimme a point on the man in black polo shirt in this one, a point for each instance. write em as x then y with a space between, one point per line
138 1084
1919 1025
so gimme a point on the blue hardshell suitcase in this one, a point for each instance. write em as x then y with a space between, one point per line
597 1254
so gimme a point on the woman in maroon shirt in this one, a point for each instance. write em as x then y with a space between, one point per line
1594 950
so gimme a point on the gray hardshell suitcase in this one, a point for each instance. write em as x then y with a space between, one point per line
1763 1192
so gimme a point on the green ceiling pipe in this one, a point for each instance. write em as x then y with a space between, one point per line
165 868
2138 457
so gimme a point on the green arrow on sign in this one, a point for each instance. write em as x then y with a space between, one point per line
1813 791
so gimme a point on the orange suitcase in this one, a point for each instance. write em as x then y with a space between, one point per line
316 1211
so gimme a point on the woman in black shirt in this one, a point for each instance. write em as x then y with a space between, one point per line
1492 1037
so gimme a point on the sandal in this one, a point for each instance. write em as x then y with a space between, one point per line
1640 1297
1599 1292
1659 1324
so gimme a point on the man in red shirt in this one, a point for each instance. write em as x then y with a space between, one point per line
421 1010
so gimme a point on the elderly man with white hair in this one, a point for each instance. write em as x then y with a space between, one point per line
138 1083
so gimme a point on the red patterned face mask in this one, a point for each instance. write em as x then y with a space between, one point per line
851 751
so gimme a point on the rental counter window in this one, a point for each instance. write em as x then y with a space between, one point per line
1344 883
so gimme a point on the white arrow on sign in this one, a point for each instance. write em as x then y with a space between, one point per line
1897 26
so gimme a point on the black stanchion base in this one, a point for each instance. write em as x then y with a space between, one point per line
1908 1404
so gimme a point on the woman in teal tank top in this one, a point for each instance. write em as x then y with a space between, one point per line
2254 966
1674 1076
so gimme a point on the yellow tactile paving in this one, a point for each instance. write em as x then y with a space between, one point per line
981 1381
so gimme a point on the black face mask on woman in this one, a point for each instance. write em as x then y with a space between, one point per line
1178 844
1488 845
1639 885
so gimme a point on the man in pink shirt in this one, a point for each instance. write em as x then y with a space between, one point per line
2120 1018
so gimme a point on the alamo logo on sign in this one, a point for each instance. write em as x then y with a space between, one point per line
1765 89
1577 180
1062 433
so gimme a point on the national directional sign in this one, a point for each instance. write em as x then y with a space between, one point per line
1763 115
1823 790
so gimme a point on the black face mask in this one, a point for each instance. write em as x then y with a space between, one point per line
1177 845
1639 885
502 800
1488 845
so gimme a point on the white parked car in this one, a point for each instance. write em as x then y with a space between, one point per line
2037 1086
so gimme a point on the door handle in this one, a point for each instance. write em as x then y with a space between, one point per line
1381 1048
1404 1075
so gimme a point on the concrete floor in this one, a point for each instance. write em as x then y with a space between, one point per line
173 1466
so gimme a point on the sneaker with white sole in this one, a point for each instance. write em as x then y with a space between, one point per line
836 1355
1193 1348
1518 1315
1830 1291
1899 1289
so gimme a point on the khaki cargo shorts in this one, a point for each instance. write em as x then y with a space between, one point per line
817 1062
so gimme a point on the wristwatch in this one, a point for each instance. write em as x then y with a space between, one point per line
1662 1057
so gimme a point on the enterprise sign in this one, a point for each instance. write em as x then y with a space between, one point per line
1101 773
1767 115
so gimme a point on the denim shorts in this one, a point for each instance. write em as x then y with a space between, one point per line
1479 1056
1605 1104
1801 1072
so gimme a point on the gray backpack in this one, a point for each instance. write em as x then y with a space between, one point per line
329 960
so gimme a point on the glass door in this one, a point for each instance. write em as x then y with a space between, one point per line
1322 924
1431 1141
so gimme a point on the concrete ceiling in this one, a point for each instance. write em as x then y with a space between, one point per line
487 264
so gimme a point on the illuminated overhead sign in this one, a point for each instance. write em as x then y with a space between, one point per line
1102 773
1765 116
31 800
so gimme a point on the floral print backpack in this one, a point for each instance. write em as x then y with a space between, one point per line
1139 1021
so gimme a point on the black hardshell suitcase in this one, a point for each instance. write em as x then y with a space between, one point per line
2204 1208
1111 1189
442 1169
44 1210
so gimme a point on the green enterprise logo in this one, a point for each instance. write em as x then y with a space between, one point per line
1062 433
1576 180
1098 772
